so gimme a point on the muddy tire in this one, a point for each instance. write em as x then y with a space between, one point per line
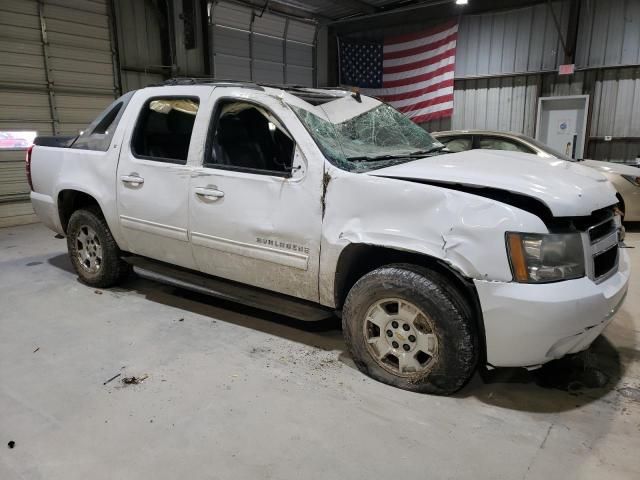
408 327
94 253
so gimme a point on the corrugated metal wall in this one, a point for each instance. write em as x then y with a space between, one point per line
142 29
57 73
516 41
138 31
505 103
616 113
510 104
609 33
506 60
494 47
262 47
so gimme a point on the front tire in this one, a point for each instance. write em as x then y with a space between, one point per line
407 327
94 253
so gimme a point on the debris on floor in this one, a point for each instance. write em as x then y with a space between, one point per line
630 393
97 292
36 350
112 378
134 380
58 236
11 444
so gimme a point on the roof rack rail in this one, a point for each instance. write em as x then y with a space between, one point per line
305 88
313 95
207 81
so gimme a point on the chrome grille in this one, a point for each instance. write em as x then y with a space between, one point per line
601 246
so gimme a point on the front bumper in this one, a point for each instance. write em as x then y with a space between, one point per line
528 325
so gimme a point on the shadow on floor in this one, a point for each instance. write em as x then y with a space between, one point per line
62 262
633 227
325 334
558 386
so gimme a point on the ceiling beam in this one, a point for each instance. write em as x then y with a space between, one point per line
361 5
282 7
406 8
300 9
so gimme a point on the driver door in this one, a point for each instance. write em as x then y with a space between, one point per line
255 203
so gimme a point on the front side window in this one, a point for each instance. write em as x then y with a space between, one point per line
379 137
248 137
164 128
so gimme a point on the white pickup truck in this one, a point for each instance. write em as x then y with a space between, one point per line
308 202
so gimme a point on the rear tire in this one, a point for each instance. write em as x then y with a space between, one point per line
405 327
94 253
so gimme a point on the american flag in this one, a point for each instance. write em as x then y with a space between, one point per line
414 73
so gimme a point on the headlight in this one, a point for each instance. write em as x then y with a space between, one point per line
540 258
633 179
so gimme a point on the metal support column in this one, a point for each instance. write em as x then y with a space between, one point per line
253 16
115 59
55 123
284 50
314 82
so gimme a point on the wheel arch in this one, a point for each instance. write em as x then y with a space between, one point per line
69 200
358 259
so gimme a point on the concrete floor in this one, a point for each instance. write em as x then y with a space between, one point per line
238 393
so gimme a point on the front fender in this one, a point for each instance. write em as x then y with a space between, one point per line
465 231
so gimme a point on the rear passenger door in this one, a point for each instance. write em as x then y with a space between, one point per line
154 173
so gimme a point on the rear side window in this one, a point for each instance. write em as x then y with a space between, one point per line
98 135
164 128
496 143
455 145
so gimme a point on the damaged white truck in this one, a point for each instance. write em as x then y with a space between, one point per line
308 202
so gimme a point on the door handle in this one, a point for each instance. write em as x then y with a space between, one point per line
209 193
132 179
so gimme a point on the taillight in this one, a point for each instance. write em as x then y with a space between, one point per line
28 166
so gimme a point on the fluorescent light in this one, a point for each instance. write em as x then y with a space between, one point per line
462 2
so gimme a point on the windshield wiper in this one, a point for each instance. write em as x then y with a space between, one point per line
416 154
429 150
366 158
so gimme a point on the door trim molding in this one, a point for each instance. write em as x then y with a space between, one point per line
258 252
155 228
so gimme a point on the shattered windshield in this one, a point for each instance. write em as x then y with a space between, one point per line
376 138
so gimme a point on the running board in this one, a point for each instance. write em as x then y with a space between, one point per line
226 290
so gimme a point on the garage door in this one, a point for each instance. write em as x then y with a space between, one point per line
262 47
57 73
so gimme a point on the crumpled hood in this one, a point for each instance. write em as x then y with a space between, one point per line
610 167
567 188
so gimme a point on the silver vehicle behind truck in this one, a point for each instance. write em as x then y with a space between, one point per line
625 178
